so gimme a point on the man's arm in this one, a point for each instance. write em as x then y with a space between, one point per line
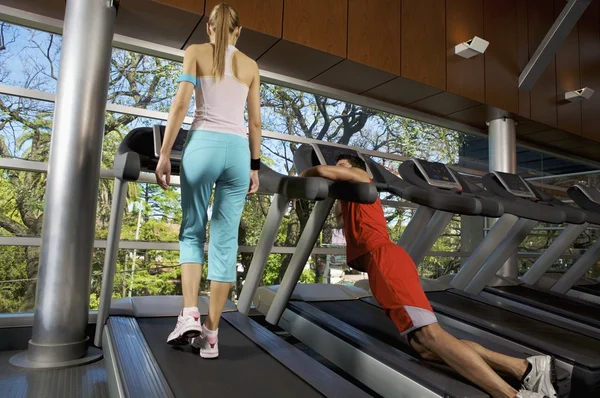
337 173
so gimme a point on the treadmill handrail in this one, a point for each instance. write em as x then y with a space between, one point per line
136 153
578 194
535 211
447 200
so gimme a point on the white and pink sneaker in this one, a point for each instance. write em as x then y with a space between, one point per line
188 326
208 343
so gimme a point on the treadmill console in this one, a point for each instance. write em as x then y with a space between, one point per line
327 154
159 135
437 174
514 184
592 194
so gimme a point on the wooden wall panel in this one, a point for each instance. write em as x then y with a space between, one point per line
322 25
464 19
540 15
501 62
589 53
374 33
265 16
423 41
523 55
567 78
195 6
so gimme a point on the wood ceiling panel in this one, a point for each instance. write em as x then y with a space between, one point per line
444 103
297 61
401 91
318 24
501 58
424 42
465 76
344 75
567 79
374 33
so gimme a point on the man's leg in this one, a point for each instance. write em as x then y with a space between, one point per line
434 343
395 284
502 364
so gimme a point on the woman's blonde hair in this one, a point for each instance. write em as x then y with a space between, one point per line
223 21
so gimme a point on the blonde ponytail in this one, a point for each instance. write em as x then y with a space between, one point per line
223 21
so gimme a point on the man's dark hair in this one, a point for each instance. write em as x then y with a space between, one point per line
354 160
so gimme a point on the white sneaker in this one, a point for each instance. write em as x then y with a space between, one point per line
207 343
542 377
187 328
530 394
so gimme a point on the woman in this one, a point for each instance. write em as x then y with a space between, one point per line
218 153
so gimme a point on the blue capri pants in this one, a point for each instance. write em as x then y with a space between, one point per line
222 161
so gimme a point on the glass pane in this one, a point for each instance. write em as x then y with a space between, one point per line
17 285
25 130
30 59
292 112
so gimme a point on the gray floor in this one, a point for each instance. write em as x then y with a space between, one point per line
81 382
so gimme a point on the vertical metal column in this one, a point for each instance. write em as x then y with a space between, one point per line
503 157
62 302
303 249
262 251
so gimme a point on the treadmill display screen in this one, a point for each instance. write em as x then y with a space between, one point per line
330 153
514 184
327 154
177 149
437 174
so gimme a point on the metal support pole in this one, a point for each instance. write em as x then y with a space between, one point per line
577 270
503 157
435 228
483 251
261 252
63 292
305 245
415 227
110 256
507 248
553 253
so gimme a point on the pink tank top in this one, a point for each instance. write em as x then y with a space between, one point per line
220 105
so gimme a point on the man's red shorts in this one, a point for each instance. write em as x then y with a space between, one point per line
395 284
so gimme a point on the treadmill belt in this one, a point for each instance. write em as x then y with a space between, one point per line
564 306
242 369
540 335
373 321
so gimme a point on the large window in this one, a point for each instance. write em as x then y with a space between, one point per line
144 86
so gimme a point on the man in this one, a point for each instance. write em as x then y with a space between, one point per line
395 284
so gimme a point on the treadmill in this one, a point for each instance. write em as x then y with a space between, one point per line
132 331
575 352
550 306
344 323
460 299
573 283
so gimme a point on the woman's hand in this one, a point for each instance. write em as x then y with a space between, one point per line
253 182
163 172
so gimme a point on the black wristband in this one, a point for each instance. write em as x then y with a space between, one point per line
254 164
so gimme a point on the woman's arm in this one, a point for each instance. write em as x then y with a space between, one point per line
254 120
181 102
